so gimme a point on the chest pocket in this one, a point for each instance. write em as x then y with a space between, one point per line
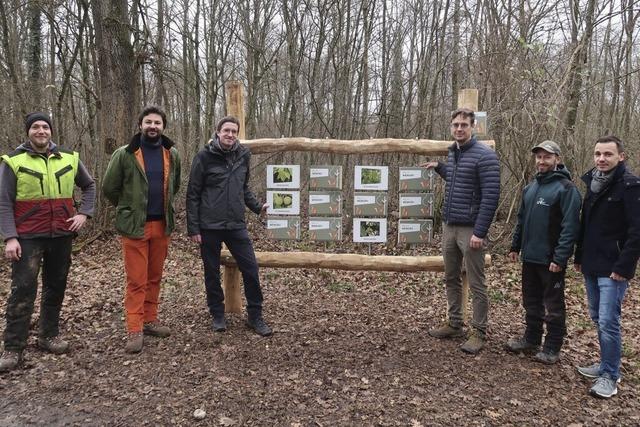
216 175
64 181
30 183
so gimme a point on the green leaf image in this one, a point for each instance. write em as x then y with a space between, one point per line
371 176
282 175
282 200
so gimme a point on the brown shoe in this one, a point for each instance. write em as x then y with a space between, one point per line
10 360
446 331
156 329
475 342
134 342
55 345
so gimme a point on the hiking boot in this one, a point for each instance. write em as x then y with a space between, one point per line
593 371
475 342
55 345
547 357
10 360
219 324
604 386
156 329
259 326
521 345
446 331
134 342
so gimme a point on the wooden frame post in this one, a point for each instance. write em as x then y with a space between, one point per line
231 275
467 98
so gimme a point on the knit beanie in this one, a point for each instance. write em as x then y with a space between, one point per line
34 117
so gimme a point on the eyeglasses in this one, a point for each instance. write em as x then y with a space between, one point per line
460 125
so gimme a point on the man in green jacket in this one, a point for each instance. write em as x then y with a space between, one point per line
548 227
141 181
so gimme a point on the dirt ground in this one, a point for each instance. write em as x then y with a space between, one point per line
349 348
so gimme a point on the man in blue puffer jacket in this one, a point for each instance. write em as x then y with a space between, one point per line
472 175
547 229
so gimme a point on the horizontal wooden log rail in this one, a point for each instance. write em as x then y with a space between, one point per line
428 147
231 277
345 261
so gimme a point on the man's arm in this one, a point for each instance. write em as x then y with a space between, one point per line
489 175
112 179
625 265
88 187
194 194
516 240
8 189
570 202
178 171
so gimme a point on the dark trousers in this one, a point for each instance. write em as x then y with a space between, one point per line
543 301
55 256
241 248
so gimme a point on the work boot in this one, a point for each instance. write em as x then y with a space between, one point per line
547 357
521 345
156 329
55 345
10 360
474 343
134 342
259 326
446 331
218 324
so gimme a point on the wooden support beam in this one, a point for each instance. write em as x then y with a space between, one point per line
427 147
467 98
345 261
231 277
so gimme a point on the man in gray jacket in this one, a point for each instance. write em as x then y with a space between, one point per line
472 176
216 198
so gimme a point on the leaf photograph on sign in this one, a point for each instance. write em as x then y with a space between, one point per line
369 230
282 202
283 176
371 178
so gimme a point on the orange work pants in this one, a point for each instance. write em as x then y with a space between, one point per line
143 263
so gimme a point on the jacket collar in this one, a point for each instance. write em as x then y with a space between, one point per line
617 174
464 147
51 151
135 142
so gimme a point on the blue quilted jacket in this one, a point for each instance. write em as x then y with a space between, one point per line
472 173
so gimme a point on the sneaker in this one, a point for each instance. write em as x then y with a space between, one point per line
156 329
604 386
520 345
219 324
446 331
547 357
593 371
475 343
10 360
55 345
259 326
134 342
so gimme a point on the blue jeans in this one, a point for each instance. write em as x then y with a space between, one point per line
605 297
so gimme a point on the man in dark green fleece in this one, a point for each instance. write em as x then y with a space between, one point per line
548 227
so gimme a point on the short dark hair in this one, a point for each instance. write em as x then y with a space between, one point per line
227 119
465 113
153 109
612 138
